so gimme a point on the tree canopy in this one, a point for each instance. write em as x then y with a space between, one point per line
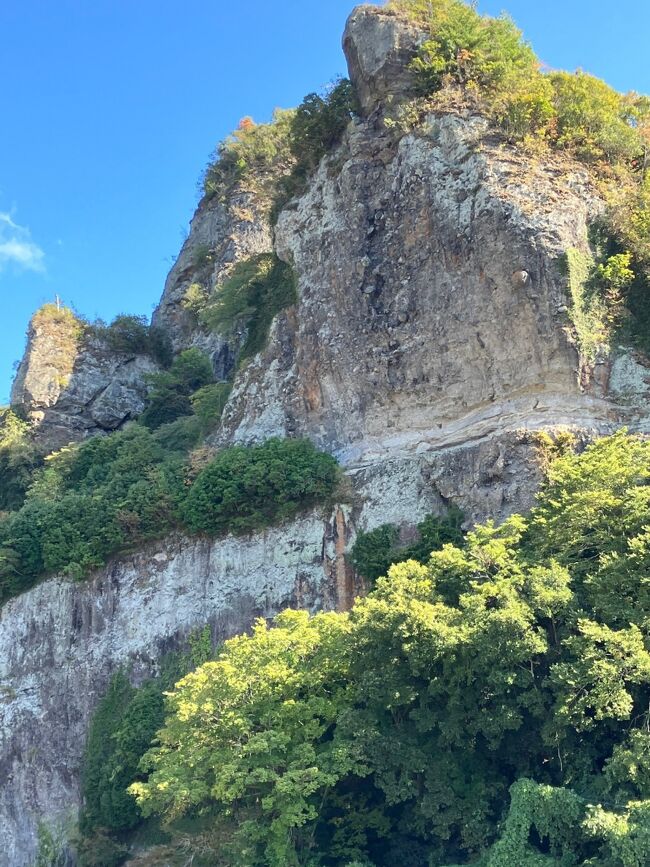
513 670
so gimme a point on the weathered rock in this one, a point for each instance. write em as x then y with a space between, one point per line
430 343
379 48
221 234
409 335
72 386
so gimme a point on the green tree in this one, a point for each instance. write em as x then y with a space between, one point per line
170 395
292 678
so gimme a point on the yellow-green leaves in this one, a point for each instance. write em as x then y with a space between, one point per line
596 680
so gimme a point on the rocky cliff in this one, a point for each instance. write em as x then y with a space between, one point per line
71 385
430 344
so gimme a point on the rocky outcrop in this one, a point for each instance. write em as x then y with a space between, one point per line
221 234
379 47
411 333
71 385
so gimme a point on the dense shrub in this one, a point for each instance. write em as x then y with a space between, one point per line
255 292
375 551
86 503
19 458
209 403
244 489
171 390
471 50
106 802
316 127
274 159
133 334
517 663
592 119
195 299
180 435
112 493
255 155
121 729
320 121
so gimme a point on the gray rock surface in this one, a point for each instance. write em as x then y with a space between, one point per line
379 47
409 334
221 234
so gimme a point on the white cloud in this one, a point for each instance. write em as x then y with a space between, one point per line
17 247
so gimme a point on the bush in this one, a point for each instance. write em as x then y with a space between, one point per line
320 121
169 398
244 489
470 50
181 435
254 155
195 299
133 335
592 119
88 502
112 493
208 404
103 804
122 727
374 552
316 127
254 293
19 459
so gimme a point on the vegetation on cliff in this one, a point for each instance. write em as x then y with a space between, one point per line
490 707
375 551
487 705
256 290
274 159
113 493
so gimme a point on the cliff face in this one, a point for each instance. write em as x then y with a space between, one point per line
221 234
430 343
60 642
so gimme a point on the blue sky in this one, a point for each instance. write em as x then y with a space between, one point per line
111 108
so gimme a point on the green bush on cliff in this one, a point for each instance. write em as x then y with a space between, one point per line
122 727
18 460
316 127
133 334
255 292
375 551
244 489
113 493
171 390
274 159
254 155
208 404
